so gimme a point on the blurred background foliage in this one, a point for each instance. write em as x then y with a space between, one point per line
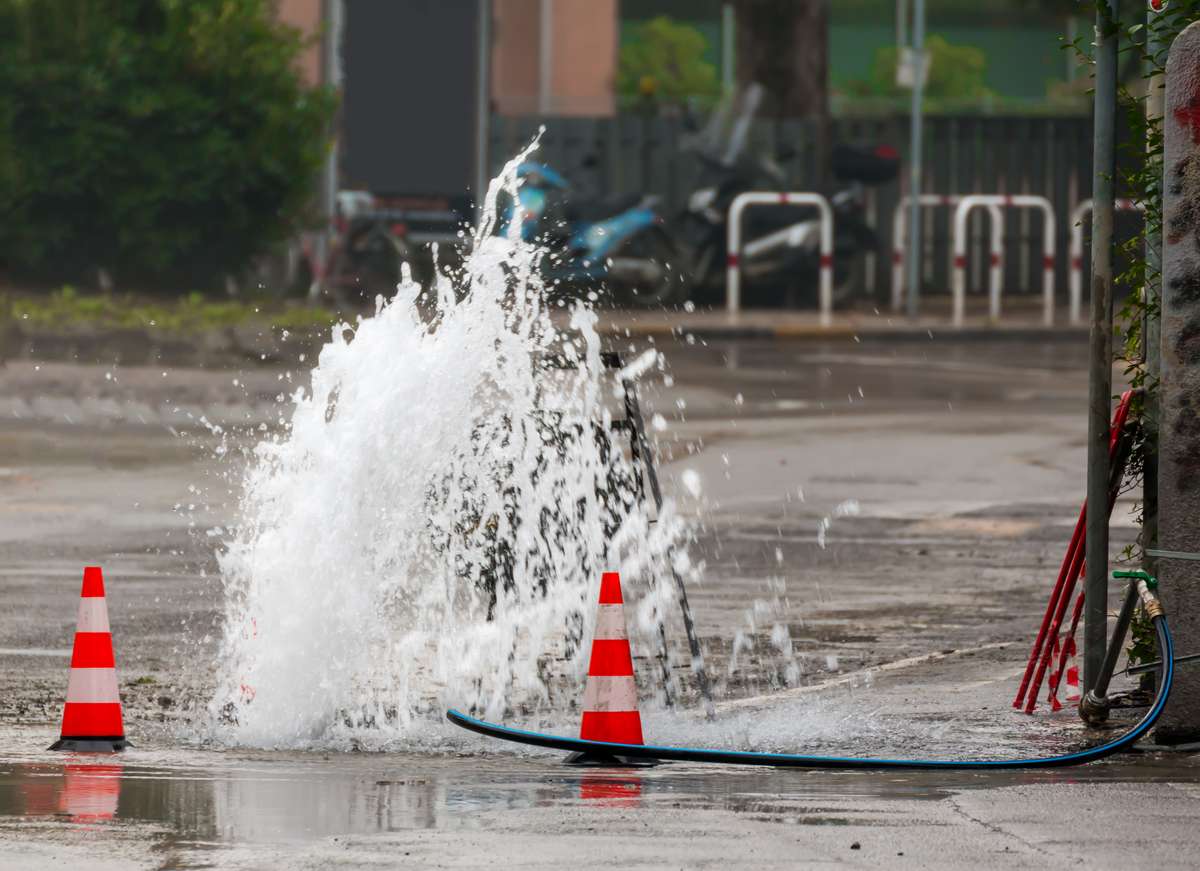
955 72
665 62
156 139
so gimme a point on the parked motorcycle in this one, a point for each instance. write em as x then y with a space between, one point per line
779 249
622 244
617 243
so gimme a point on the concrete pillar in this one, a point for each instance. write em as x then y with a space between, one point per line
1179 391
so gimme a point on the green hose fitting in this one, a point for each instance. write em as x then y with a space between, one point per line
1138 575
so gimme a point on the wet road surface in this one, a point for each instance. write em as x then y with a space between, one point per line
883 499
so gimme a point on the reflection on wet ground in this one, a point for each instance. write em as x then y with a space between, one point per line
273 798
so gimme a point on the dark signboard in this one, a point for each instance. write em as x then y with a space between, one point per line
409 80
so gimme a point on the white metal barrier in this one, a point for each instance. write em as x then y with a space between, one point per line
733 269
1076 274
959 266
899 233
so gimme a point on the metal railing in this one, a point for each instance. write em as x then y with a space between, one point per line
1075 272
899 231
1042 155
733 270
958 286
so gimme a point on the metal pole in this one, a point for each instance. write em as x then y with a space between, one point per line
727 35
914 160
331 74
1156 46
1094 705
545 56
641 450
483 113
1095 617
901 23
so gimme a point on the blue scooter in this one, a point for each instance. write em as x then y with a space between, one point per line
613 243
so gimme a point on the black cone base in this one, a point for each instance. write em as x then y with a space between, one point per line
605 760
91 745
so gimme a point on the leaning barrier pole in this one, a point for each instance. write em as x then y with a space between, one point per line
899 234
1076 274
959 268
733 269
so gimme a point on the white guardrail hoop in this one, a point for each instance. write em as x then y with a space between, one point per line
995 243
1076 272
959 263
733 271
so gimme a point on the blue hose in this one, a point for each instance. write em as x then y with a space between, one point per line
788 760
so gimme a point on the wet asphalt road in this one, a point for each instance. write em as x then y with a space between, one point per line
888 499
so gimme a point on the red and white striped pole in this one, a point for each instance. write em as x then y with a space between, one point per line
610 711
92 715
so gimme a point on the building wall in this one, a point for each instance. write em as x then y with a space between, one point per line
515 61
583 57
305 16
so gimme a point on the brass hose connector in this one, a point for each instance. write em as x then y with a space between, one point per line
1150 602
1146 585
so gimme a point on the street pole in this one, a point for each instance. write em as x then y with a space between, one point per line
483 111
545 56
331 74
1156 47
1095 615
727 33
914 160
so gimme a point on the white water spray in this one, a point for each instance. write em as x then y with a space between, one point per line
431 527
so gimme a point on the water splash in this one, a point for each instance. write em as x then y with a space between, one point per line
431 526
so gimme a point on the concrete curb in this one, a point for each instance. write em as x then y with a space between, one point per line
842 332
226 347
251 345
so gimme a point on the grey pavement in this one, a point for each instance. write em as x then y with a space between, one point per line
900 505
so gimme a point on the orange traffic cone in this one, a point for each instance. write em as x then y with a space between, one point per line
610 710
92 716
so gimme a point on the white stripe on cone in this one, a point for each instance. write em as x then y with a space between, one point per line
93 615
610 693
91 685
610 623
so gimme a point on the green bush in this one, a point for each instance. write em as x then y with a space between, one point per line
955 72
159 139
192 312
665 63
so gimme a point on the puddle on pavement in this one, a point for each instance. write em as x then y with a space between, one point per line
204 800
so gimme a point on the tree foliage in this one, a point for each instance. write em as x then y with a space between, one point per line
955 72
665 63
154 138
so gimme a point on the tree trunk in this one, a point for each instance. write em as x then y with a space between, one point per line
784 46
